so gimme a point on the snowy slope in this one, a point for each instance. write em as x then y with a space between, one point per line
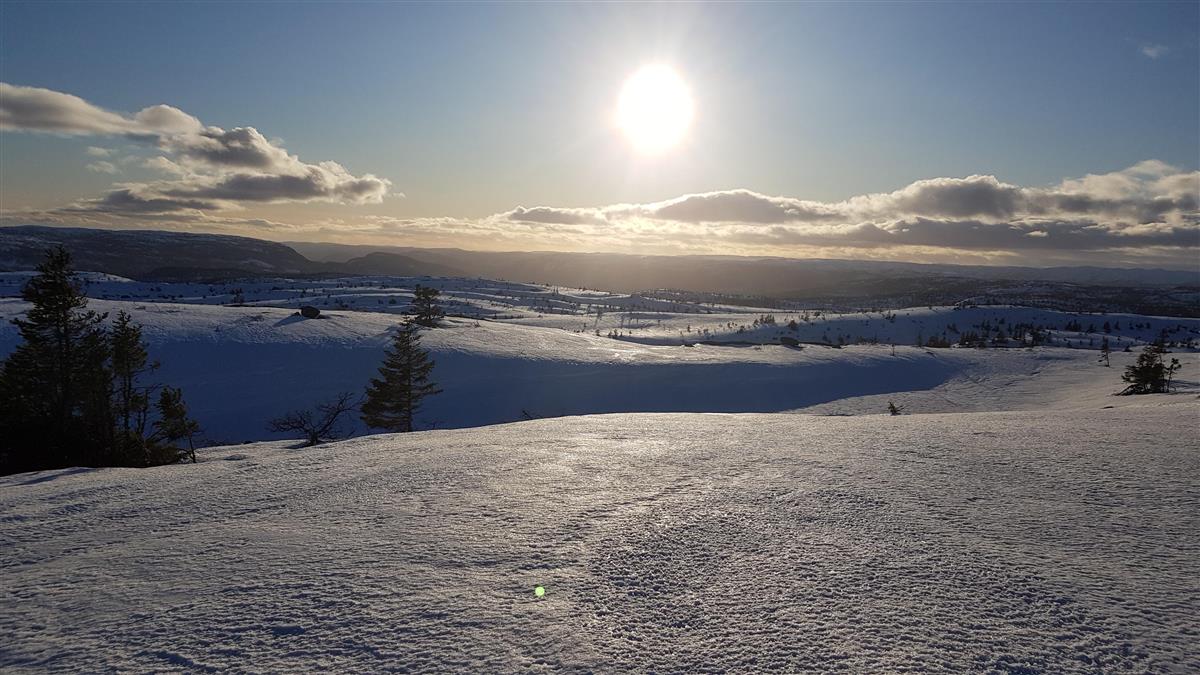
242 366
1039 541
643 318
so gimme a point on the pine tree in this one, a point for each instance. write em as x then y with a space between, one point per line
54 387
425 307
1105 352
394 398
1148 375
173 424
131 398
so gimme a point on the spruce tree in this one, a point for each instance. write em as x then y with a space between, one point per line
1148 375
394 398
173 424
425 307
54 387
131 398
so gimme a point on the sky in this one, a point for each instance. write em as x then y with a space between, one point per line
1039 134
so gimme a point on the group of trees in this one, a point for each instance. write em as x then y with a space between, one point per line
74 392
1151 373
392 399
78 388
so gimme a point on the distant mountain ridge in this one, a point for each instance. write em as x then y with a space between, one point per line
174 256
766 275
150 254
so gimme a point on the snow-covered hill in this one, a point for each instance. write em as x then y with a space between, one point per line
242 366
1039 541
1023 519
667 318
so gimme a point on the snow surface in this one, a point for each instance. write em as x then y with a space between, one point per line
673 319
240 367
1035 541
1022 519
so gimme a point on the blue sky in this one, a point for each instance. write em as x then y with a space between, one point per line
471 110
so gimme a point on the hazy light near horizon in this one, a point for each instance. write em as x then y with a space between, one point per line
655 109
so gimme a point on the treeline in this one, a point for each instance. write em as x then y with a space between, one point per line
78 389
75 391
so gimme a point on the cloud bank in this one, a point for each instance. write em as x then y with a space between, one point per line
1148 205
208 168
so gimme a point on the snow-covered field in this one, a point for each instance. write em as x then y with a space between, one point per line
536 352
1017 518
673 319
1037 541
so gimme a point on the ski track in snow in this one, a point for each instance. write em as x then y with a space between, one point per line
1035 541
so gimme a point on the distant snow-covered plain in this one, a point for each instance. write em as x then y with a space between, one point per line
1017 518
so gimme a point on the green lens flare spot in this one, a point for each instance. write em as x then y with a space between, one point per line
539 591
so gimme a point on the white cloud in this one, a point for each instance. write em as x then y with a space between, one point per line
207 165
103 167
1150 204
1147 214
37 109
1154 51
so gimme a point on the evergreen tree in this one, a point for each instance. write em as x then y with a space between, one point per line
1148 375
55 386
71 393
394 398
131 398
1105 352
425 307
173 424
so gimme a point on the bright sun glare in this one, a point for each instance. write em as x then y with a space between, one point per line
655 109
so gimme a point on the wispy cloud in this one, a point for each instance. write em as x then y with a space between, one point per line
1154 51
103 167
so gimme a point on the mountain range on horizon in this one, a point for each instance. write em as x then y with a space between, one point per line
307 257
150 255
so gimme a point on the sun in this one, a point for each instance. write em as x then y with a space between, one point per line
655 109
